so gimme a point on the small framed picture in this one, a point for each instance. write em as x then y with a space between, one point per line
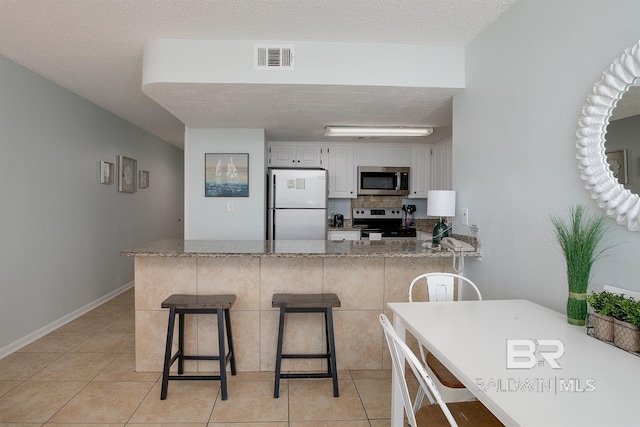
618 163
106 173
144 179
127 171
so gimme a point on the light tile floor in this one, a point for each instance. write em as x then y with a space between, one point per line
83 374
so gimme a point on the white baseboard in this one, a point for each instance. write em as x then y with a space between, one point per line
17 345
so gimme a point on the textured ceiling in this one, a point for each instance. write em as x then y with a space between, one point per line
94 48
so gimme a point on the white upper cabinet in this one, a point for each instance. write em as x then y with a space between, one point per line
383 155
441 161
295 155
420 179
430 163
341 171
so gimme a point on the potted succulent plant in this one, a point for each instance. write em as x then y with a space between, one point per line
603 304
626 324
581 238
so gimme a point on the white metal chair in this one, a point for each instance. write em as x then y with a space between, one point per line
441 287
470 413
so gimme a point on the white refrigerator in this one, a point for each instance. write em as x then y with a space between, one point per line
297 204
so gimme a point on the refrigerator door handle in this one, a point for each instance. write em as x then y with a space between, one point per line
273 224
272 197
272 221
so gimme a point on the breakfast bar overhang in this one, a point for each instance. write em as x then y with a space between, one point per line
366 275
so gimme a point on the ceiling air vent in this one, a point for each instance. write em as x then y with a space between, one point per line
272 57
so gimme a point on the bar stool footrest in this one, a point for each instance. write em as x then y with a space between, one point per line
194 377
309 375
305 356
227 357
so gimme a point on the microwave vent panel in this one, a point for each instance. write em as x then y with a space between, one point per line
272 57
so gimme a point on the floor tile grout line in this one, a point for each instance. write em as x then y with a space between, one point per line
142 401
67 402
288 399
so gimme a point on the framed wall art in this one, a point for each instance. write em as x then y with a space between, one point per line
618 163
106 172
226 175
144 179
127 171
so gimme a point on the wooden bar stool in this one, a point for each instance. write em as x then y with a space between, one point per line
307 303
198 304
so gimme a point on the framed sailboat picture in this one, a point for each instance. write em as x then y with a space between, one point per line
226 175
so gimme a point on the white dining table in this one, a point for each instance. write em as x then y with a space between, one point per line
525 363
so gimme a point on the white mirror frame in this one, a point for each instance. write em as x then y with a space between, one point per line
611 196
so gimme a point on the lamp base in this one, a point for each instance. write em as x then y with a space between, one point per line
440 230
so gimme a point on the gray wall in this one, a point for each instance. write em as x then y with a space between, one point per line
60 230
207 217
528 76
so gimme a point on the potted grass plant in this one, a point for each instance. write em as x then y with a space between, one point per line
603 304
580 236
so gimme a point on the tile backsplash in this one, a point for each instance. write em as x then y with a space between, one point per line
346 206
377 201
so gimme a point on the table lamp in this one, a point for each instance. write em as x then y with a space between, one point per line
441 203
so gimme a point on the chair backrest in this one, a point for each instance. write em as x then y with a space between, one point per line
397 347
440 286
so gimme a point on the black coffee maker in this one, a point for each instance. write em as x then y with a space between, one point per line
338 220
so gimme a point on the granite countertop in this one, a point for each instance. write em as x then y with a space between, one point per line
287 249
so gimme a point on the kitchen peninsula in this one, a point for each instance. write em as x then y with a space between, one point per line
364 274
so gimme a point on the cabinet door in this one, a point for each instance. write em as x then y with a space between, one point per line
282 155
441 160
382 155
309 156
341 172
419 181
293 155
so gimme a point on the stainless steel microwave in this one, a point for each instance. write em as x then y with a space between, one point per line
386 181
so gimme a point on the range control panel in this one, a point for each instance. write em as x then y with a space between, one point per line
377 213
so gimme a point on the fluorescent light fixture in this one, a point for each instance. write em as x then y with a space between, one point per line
375 131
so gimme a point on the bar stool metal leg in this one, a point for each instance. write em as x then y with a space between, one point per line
222 353
167 354
276 388
180 343
333 369
232 358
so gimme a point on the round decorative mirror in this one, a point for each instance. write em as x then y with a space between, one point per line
596 169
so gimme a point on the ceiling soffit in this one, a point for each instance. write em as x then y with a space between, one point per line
207 83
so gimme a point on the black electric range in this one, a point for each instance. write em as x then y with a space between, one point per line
386 221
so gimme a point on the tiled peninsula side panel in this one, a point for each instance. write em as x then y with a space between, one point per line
364 286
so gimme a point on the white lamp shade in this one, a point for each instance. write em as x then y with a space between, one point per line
441 203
